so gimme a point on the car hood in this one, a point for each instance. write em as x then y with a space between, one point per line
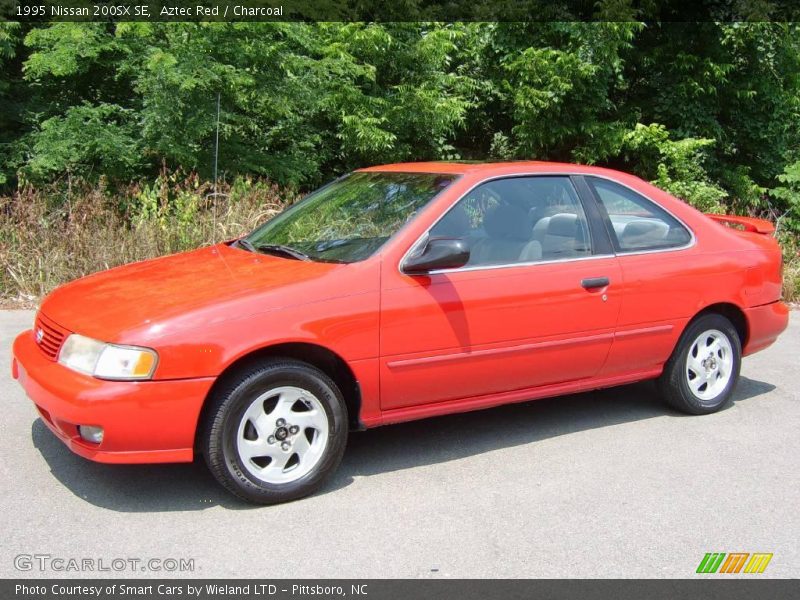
120 304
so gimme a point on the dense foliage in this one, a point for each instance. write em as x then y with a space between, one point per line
710 111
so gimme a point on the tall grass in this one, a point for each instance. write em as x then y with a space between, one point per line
52 235
791 267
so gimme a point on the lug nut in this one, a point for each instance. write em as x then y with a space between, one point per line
285 446
271 439
280 422
294 429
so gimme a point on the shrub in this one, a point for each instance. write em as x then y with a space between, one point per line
677 165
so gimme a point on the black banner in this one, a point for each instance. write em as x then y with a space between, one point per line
402 589
399 10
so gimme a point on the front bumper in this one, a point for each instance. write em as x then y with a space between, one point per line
143 422
764 324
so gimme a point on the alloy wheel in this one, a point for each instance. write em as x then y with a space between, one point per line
709 364
282 435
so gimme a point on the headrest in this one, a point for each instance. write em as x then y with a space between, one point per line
653 229
563 225
507 222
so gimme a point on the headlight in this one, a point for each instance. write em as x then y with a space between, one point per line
107 361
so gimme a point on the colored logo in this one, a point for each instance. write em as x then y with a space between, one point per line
734 562
39 335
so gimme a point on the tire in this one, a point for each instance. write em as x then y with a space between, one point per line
700 376
275 431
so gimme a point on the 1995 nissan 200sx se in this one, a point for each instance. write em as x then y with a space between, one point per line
396 293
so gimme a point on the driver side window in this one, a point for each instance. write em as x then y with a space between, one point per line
519 220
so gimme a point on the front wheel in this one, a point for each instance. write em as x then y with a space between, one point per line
275 432
702 372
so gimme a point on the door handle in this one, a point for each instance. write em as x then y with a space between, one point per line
594 282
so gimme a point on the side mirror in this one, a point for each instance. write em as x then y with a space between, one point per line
438 254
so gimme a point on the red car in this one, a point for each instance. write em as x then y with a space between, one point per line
396 293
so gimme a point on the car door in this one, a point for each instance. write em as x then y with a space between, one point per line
536 304
653 248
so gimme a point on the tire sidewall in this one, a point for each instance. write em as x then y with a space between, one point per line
239 401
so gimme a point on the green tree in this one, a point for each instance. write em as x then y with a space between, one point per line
710 111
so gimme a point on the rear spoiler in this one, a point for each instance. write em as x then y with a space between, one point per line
761 226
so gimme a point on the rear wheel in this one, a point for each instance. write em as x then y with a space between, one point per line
702 372
275 432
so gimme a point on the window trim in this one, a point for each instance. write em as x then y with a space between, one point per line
618 250
425 235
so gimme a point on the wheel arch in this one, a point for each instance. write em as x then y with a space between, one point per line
325 359
730 311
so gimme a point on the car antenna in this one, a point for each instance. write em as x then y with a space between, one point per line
214 194
216 162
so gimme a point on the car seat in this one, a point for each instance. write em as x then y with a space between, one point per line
508 238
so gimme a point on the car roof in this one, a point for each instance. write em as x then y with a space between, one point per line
459 168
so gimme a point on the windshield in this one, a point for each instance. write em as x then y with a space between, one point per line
350 218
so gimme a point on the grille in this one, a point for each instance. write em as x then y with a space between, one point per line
49 336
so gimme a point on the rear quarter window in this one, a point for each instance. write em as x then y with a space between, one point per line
636 223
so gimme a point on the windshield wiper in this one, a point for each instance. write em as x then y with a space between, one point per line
280 249
246 245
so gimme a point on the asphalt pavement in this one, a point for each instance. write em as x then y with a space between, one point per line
603 484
